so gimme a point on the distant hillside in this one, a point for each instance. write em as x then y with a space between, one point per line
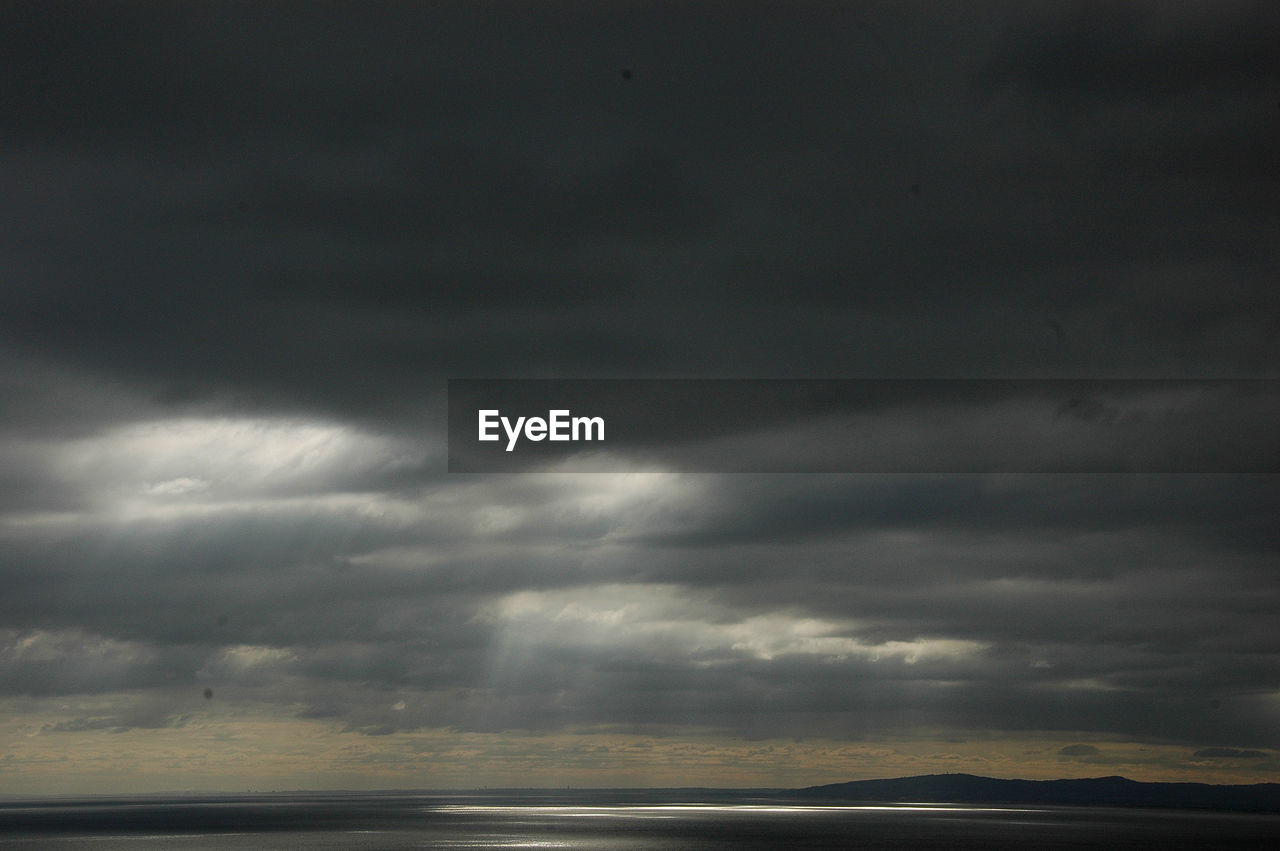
1095 791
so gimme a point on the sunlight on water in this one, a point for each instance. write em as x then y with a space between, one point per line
501 843
671 810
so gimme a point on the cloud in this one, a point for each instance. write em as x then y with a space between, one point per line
1133 54
1079 750
74 661
252 248
1230 753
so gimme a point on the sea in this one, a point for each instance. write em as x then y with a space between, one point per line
600 819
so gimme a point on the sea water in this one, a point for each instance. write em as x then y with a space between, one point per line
645 819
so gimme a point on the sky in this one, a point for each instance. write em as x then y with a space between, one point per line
244 246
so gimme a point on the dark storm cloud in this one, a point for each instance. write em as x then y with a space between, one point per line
233 239
1235 510
245 244
1127 51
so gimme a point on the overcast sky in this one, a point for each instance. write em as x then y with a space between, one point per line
245 245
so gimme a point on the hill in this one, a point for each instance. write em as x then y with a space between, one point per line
1094 791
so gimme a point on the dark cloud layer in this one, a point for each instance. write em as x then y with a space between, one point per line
244 246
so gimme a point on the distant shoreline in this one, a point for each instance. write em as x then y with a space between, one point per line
1112 791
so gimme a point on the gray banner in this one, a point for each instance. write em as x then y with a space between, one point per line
865 426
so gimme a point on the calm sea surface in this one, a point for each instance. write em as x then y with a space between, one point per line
649 819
